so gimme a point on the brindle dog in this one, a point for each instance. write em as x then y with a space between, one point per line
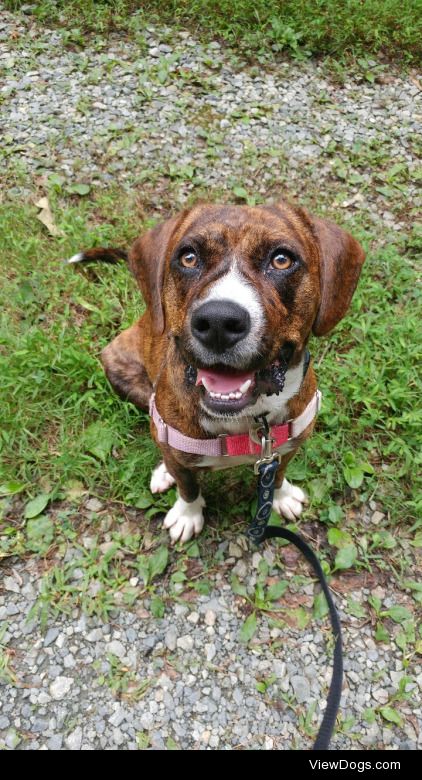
231 292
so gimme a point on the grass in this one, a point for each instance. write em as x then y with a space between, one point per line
52 343
60 421
62 426
262 28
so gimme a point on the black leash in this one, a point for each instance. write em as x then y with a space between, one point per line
258 531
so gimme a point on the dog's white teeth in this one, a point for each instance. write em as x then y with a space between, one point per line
245 387
204 382
233 396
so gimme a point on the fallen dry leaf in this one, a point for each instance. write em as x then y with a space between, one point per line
45 216
189 595
290 556
348 582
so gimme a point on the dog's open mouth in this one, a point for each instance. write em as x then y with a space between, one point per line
229 392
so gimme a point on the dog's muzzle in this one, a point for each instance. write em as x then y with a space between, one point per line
225 359
219 337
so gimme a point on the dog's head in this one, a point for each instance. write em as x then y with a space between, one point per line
241 288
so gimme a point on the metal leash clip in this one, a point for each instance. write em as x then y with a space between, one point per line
267 453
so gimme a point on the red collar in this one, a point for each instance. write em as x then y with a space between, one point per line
234 445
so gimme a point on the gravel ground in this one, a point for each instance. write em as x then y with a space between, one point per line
132 114
186 680
184 113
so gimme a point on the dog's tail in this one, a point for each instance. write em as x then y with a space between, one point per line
99 254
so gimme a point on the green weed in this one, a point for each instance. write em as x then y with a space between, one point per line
122 681
263 28
7 674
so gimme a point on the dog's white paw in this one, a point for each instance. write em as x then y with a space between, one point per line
161 480
185 520
289 500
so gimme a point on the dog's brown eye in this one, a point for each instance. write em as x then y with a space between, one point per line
281 261
189 260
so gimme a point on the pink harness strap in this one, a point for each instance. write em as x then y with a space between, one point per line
240 444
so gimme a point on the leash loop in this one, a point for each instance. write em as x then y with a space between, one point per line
259 530
322 741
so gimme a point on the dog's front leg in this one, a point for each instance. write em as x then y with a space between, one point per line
185 519
289 499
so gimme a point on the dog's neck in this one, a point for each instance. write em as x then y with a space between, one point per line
274 405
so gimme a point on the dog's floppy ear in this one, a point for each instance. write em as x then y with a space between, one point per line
147 260
340 266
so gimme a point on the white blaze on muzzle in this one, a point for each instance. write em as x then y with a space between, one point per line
234 287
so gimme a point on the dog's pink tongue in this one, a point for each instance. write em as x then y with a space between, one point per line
221 383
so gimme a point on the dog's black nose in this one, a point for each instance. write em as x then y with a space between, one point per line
219 325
